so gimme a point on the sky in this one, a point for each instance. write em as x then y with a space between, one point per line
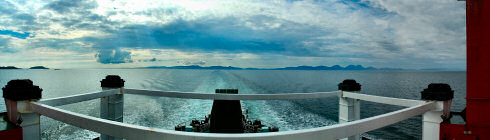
412 34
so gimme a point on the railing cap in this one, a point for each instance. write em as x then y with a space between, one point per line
112 81
349 85
438 92
21 89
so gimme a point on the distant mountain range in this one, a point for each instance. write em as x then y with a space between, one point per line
12 67
196 67
335 67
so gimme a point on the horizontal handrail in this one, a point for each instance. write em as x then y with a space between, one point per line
381 99
78 98
192 95
130 132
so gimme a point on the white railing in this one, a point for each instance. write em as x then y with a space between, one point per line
343 130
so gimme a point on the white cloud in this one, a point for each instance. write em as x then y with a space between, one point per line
384 33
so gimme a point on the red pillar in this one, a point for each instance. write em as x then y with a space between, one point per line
478 76
478 68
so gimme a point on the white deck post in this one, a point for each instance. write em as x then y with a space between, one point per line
18 94
30 121
431 123
349 109
443 95
111 107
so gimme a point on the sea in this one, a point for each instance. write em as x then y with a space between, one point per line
288 115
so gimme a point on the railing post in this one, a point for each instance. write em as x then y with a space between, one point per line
443 95
111 107
349 109
18 94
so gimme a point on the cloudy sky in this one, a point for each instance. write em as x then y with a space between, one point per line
121 33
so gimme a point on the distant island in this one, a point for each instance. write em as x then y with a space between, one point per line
8 67
196 67
38 67
335 67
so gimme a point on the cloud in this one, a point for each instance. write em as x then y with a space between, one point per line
369 32
183 62
113 56
419 27
64 7
227 35
202 34
5 47
148 60
13 19
7 8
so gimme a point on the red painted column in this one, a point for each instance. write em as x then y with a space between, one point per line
478 68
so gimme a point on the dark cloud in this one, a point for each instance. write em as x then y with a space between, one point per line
367 6
113 56
7 8
228 35
148 60
18 19
68 6
389 46
82 10
29 19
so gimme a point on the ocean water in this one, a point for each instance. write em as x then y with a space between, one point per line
165 113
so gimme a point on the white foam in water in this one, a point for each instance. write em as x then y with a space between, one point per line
260 110
80 135
141 109
168 112
279 116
